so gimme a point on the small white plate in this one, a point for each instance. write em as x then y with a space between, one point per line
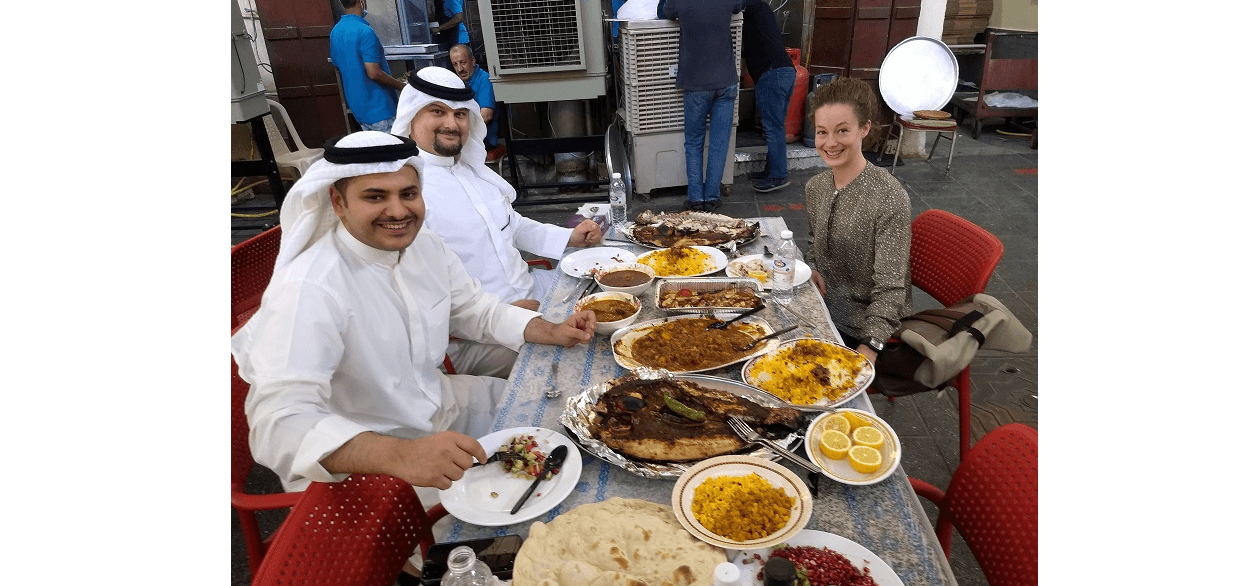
800 277
717 258
841 470
471 498
580 263
774 474
750 562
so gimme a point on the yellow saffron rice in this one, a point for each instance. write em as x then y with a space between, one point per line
741 508
681 261
791 374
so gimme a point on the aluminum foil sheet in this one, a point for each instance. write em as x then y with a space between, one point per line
579 413
706 285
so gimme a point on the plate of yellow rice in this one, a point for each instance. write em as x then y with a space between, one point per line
741 502
794 372
684 261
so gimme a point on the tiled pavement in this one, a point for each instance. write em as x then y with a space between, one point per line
993 183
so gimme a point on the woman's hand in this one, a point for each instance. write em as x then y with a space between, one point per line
816 278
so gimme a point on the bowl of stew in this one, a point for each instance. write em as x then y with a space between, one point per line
613 310
632 278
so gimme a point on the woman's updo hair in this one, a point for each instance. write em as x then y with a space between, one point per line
846 90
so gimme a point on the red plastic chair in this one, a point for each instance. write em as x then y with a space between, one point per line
950 259
358 532
248 505
992 500
252 264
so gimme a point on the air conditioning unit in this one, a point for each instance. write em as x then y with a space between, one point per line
652 107
543 50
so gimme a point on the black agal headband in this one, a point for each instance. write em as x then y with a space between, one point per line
369 154
462 94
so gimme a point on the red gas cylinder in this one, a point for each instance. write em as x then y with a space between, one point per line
796 105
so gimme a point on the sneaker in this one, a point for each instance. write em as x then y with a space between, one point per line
768 185
694 205
712 204
759 176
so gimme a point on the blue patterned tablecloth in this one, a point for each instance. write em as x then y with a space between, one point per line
886 517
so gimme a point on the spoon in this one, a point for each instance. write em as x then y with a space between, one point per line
766 337
552 463
721 325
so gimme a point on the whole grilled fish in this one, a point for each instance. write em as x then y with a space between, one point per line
690 228
680 421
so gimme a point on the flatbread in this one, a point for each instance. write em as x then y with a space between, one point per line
617 542
931 114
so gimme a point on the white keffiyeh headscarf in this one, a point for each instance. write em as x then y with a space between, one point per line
307 213
413 99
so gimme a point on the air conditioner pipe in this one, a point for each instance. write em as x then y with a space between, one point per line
567 119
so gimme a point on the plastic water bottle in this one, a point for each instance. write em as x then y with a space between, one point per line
784 269
726 574
464 569
617 197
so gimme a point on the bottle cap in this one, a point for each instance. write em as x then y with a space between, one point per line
786 234
616 175
780 571
726 574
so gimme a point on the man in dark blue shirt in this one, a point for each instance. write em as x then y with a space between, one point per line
709 78
371 92
772 70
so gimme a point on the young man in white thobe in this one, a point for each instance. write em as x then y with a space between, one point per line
472 209
343 355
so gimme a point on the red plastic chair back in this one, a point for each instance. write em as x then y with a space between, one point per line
358 532
951 258
252 264
992 500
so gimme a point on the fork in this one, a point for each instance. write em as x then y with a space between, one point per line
754 343
497 456
750 436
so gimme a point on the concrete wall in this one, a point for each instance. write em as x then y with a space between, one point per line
1016 14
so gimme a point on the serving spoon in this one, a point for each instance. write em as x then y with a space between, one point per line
766 337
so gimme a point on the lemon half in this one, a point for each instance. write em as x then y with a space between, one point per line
865 459
837 423
834 444
855 420
868 436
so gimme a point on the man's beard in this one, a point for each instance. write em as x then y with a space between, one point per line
447 151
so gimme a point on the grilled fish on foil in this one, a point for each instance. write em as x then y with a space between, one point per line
690 229
669 420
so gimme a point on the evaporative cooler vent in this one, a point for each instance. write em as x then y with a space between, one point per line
649 53
537 35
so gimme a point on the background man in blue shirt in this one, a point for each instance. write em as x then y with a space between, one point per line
463 64
371 92
452 31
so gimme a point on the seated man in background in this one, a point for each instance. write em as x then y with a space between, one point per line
471 208
342 355
466 68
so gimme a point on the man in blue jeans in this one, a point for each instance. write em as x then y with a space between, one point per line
709 80
772 70
371 92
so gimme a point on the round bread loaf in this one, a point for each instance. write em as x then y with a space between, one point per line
931 114
617 542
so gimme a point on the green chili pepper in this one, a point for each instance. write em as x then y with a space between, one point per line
681 409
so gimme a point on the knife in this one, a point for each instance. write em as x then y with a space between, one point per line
552 463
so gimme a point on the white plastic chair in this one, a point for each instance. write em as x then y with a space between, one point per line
297 160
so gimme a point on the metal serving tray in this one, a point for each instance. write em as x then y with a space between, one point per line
705 285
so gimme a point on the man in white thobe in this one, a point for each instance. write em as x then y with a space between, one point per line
472 209
342 355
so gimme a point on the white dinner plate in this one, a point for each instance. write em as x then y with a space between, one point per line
801 276
774 474
841 470
852 388
580 263
717 258
751 561
486 494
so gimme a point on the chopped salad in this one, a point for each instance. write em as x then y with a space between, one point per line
529 464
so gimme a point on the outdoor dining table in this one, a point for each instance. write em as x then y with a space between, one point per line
885 517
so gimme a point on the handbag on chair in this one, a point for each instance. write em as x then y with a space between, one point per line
932 346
